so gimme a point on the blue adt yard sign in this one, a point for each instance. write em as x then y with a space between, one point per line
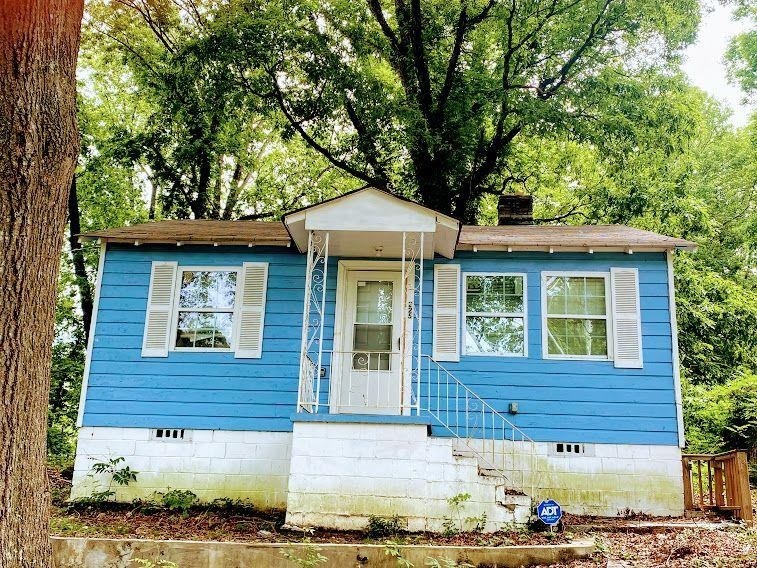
549 512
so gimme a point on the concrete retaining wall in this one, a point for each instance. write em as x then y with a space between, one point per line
113 553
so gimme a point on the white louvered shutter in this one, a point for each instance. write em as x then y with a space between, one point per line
626 315
159 309
446 312
251 316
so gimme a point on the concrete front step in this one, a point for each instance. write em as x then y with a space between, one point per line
342 474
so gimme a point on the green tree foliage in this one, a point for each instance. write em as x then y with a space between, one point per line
428 97
741 56
723 417
201 136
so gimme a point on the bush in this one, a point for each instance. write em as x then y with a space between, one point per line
721 417
178 500
380 527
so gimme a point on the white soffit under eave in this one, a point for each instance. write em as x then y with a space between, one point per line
374 211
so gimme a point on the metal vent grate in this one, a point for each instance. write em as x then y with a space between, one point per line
171 434
571 449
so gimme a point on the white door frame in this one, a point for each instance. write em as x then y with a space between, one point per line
335 376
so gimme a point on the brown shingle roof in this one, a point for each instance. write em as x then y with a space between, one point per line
583 236
197 231
520 237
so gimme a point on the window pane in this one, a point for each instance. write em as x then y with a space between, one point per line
207 289
576 295
494 335
371 361
206 330
372 337
577 337
494 294
374 302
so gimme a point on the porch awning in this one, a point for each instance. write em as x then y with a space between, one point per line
372 223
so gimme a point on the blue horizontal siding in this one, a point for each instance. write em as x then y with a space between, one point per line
576 401
581 401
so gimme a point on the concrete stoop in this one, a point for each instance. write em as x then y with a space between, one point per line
114 553
342 474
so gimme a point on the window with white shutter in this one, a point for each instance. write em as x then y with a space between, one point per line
205 307
576 311
159 309
446 340
626 317
251 313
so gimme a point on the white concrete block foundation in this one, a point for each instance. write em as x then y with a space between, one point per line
250 466
337 474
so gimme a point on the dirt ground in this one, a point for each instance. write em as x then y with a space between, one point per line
621 543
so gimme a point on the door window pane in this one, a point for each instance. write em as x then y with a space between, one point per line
372 332
374 302
372 337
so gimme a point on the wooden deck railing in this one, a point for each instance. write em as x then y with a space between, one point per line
717 482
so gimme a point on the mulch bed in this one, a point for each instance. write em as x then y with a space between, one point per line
621 542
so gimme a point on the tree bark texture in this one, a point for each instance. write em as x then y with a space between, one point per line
39 40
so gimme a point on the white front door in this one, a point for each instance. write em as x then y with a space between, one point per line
370 366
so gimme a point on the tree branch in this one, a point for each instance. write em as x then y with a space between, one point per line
419 59
549 85
310 141
462 26
378 14
365 143
574 210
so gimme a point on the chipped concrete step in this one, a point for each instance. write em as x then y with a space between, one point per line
463 453
484 471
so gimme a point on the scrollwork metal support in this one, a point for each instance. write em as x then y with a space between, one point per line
313 315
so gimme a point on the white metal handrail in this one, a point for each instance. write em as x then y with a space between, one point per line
498 443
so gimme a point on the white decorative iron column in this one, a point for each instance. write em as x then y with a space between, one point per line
412 302
313 315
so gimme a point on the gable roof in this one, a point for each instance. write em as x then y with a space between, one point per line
517 237
370 219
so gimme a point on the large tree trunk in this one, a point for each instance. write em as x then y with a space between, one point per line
39 40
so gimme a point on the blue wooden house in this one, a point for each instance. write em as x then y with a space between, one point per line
370 356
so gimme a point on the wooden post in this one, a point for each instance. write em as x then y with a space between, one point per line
699 484
719 486
710 465
741 470
688 497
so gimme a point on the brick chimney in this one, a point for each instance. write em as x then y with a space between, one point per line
515 209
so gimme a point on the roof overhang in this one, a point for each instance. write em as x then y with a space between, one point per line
370 222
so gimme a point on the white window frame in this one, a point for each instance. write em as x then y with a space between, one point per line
523 315
234 310
545 276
